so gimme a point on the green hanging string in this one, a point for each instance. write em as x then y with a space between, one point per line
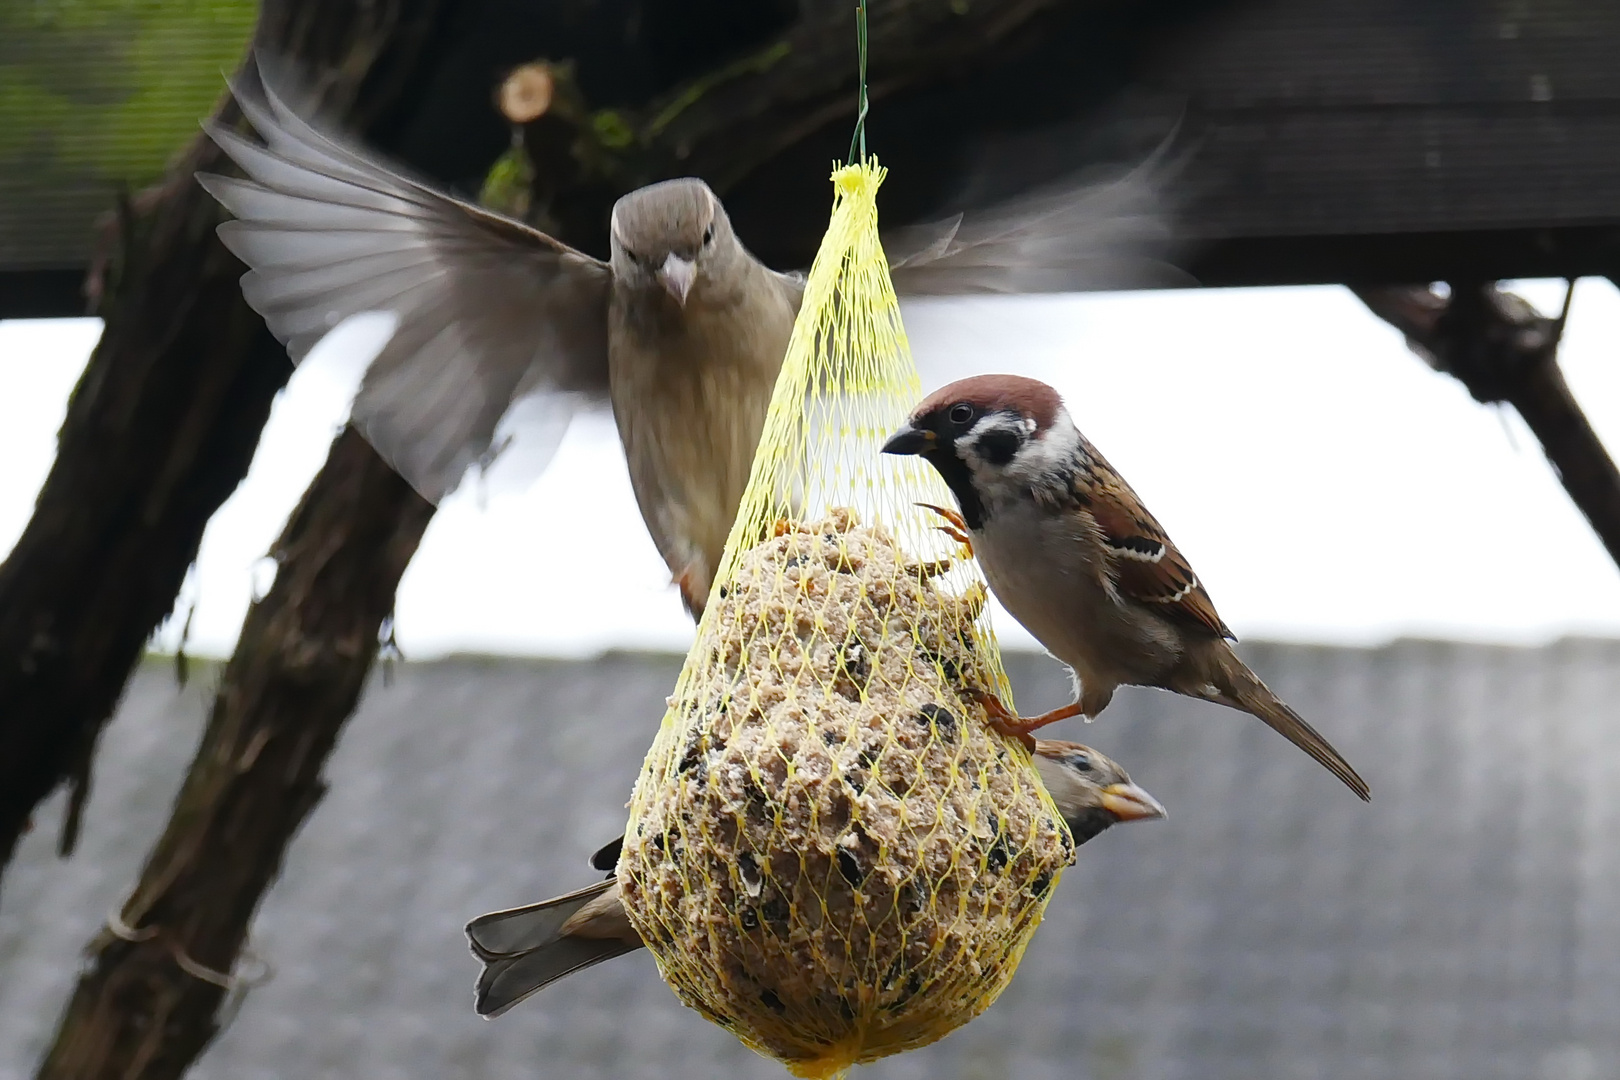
858 140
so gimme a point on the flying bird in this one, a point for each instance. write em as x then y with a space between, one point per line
501 332
526 949
1073 555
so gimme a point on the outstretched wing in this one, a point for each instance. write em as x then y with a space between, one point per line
1077 235
499 329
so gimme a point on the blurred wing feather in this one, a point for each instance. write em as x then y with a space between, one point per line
1078 235
499 327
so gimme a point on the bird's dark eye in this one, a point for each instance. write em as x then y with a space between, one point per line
961 413
1080 762
708 236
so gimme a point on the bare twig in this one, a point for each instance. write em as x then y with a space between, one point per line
1503 350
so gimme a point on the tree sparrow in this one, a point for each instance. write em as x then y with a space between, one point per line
527 948
1073 555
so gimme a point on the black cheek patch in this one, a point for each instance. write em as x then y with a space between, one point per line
998 446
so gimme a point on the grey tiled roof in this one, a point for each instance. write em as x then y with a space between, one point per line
1466 925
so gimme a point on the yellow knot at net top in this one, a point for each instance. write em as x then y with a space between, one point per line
829 853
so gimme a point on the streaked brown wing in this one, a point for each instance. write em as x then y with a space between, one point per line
1147 567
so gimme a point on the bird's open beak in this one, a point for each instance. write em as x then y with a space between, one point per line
676 275
1130 803
910 440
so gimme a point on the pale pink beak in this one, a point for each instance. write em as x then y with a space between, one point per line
676 275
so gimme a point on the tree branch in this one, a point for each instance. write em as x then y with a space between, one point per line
162 426
725 124
158 433
148 1003
1502 350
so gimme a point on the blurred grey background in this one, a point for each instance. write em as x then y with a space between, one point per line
1465 925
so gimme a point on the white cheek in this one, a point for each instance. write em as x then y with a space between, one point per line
1052 453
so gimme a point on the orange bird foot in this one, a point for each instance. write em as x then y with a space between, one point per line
955 527
1004 721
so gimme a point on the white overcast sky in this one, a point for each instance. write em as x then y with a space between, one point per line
1326 485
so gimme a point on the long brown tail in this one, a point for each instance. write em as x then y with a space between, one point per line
1241 688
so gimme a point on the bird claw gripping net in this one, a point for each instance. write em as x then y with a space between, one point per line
829 851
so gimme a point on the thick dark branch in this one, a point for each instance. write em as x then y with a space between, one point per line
1502 350
161 428
159 432
148 1004
725 124
137 1012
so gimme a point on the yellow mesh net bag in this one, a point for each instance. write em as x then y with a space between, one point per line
829 853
